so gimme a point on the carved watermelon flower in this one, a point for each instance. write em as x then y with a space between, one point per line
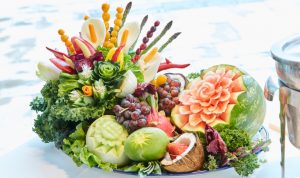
207 98
223 94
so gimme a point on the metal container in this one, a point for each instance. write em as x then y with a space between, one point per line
286 53
287 60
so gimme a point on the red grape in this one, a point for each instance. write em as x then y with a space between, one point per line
127 114
125 103
149 34
145 40
142 122
153 29
133 110
131 107
138 51
174 93
167 87
145 110
143 46
135 115
168 95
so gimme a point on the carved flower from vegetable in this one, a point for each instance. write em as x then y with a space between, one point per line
107 71
207 98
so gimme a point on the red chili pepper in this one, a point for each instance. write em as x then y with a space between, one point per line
116 54
165 66
62 65
168 61
57 54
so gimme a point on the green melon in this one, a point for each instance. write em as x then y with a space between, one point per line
245 110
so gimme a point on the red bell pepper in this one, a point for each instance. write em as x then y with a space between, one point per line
62 65
86 43
116 54
57 54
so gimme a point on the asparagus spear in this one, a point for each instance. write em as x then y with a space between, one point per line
126 12
173 37
162 33
141 28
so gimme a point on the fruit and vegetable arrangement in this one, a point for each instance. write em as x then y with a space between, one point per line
109 104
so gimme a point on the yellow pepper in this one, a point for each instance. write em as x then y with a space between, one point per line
161 79
87 90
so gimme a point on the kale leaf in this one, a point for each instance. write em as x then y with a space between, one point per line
38 104
235 138
245 166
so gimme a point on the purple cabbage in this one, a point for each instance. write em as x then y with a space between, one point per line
215 144
79 60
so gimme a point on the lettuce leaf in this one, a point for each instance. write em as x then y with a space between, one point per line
75 147
67 83
144 168
103 50
134 67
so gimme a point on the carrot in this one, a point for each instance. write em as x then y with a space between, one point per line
87 90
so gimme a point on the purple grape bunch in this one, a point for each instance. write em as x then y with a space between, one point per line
168 95
132 113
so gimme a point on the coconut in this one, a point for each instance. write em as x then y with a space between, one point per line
191 159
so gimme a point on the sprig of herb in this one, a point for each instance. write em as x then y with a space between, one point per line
193 75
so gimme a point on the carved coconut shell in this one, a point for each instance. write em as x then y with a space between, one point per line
190 162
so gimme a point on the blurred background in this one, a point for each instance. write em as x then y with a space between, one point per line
239 32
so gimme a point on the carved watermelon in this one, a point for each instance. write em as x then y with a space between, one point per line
223 94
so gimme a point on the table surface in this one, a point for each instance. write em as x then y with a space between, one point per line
238 32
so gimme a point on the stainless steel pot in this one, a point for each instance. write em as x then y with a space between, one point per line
286 53
289 108
287 60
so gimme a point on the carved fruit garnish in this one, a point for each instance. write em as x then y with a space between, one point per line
185 154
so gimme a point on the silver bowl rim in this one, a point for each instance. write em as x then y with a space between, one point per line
278 54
